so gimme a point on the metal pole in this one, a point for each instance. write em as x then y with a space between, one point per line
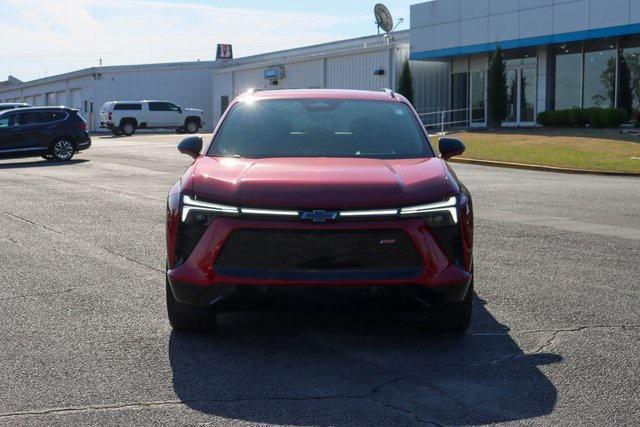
442 123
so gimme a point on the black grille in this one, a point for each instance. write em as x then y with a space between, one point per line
188 237
450 241
324 254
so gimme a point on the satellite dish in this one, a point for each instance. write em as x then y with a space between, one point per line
384 20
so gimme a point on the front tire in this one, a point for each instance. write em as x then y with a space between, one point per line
128 128
62 150
452 318
192 127
182 320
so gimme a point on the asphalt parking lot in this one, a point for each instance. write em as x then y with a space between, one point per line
84 337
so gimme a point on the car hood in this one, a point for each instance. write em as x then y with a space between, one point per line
320 183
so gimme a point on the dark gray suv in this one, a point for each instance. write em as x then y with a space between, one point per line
54 133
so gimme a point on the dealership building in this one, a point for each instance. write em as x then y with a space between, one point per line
559 54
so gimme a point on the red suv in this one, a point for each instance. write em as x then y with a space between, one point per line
305 193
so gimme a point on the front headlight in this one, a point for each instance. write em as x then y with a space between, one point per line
206 209
435 214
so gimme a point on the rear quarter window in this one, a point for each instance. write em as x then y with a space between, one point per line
52 116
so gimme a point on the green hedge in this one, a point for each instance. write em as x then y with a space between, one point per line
577 117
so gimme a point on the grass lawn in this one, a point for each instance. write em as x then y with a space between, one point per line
593 149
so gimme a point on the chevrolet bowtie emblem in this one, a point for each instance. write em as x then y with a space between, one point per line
319 216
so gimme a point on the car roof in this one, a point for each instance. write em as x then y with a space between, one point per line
36 109
136 102
2 104
361 95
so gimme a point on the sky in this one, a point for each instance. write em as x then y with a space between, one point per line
41 38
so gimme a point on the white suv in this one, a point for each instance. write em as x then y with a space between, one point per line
124 117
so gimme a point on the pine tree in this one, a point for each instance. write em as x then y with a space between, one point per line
405 83
497 89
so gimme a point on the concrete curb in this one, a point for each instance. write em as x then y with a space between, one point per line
510 165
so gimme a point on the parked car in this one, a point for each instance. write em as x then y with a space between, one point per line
124 117
319 192
55 133
13 105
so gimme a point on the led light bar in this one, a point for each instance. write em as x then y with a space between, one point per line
380 212
446 206
268 212
190 204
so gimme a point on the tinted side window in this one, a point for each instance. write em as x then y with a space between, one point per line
7 120
157 106
6 107
162 106
31 118
52 116
128 107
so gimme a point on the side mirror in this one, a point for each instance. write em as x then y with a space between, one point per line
450 147
180 110
191 146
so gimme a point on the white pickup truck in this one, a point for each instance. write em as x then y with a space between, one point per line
124 117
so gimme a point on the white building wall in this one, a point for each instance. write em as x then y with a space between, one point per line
303 75
187 87
356 71
450 24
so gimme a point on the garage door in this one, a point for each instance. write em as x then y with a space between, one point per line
76 98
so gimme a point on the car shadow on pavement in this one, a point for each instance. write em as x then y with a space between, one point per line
41 164
350 368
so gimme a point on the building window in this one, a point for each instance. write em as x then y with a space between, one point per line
459 98
477 97
600 66
568 76
224 103
629 77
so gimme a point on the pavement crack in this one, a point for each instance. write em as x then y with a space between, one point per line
28 221
412 415
554 334
131 260
176 402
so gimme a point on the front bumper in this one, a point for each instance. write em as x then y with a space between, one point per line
199 280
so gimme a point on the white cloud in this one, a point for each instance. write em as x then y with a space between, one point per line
65 35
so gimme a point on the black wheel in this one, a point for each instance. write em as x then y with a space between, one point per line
183 319
453 318
62 150
128 128
192 127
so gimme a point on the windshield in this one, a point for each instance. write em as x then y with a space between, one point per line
321 128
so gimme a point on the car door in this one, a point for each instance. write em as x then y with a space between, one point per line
29 130
164 114
173 115
154 114
49 126
8 133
